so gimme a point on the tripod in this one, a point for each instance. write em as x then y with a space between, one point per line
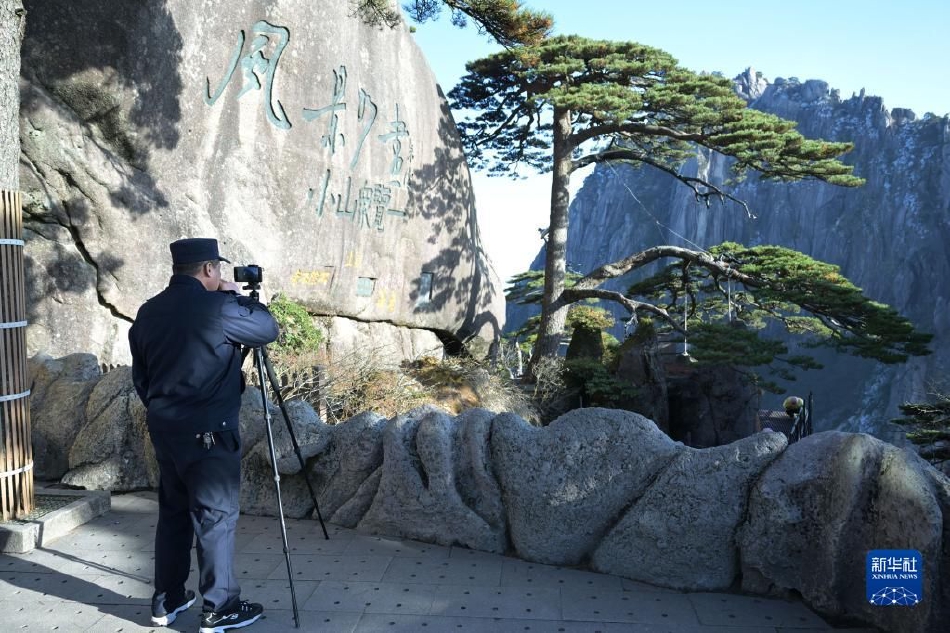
262 363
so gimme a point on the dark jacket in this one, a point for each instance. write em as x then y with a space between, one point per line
186 355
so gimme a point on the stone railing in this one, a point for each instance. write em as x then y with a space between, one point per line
597 488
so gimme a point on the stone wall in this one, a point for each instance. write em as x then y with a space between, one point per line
598 488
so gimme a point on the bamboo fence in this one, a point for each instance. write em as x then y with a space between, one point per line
16 450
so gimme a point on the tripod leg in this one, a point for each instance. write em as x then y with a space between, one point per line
293 437
258 360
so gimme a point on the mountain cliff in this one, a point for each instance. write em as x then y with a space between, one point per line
889 236
302 138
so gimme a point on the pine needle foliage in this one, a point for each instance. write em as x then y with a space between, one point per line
528 288
729 306
724 299
508 22
928 426
634 98
377 13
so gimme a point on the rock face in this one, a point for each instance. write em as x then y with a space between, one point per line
599 488
306 141
60 390
710 406
388 345
353 459
889 236
698 405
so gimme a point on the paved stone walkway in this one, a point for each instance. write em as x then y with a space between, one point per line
97 578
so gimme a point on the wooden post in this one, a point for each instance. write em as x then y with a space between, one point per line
319 387
16 448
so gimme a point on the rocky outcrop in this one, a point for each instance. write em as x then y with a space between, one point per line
58 396
258 492
699 405
599 488
709 405
889 237
108 452
351 468
382 344
834 496
305 140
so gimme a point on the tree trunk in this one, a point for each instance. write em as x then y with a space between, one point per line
553 309
11 33
16 451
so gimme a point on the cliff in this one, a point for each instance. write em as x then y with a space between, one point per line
305 140
889 236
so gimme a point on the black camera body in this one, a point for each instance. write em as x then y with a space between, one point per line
250 274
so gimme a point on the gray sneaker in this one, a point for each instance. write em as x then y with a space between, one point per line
244 614
164 614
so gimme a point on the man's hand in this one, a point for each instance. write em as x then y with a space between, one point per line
229 286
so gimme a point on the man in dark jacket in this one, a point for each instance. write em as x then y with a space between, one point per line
186 365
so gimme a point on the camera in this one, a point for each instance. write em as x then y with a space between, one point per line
250 274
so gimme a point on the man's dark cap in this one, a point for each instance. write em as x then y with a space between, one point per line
195 249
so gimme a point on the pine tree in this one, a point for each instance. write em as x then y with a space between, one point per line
568 102
507 21
928 426
725 297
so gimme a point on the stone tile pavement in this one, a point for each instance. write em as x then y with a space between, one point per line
97 578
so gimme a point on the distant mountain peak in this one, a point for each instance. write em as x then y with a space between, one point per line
750 84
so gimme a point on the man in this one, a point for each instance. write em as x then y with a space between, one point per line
186 365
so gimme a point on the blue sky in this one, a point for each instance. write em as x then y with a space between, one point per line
898 50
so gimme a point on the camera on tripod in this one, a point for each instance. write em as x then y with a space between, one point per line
250 274
253 275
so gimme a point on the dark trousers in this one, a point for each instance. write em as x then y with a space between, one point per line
198 501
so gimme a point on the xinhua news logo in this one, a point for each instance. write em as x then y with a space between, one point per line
895 577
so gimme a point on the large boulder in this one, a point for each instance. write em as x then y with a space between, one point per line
258 431
474 474
304 139
686 522
60 389
827 501
564 485
113 451
89 430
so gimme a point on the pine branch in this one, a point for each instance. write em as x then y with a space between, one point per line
575 294
507 21
702 189
650 255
